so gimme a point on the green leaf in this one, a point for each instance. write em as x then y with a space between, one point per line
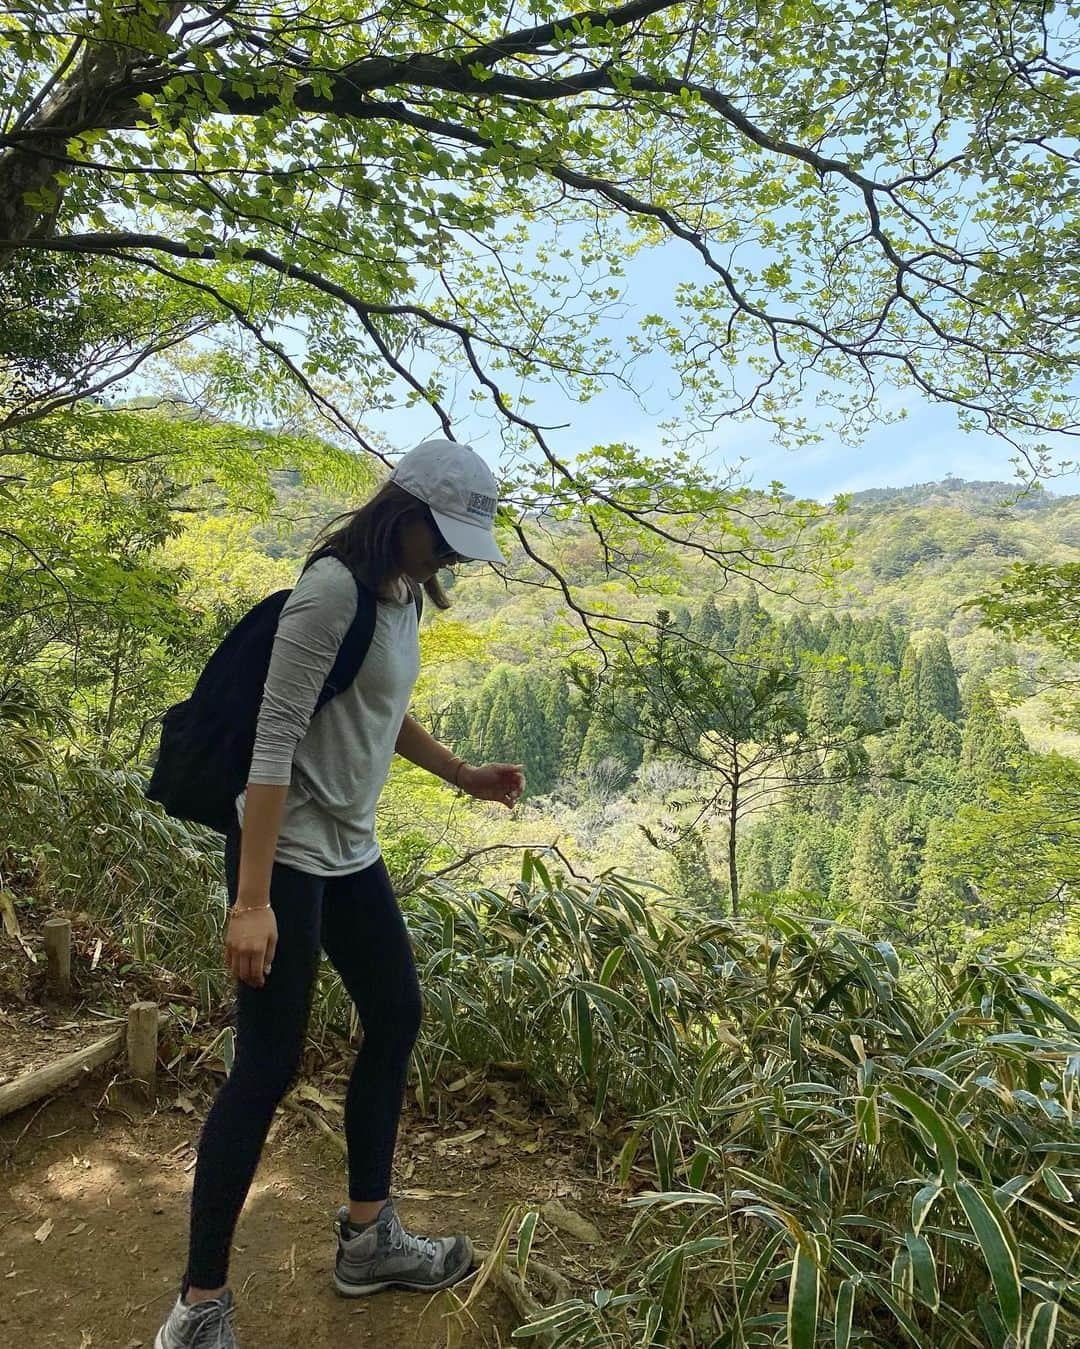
924 1270
925 1115
867 1119
673 1294
923 1201
995 1238
795 1049
698 1169
584 1024
549 1321
996 1336
610 996
803 1296
628 1151
1043 1326
845 1309
525 1233
649 975
611 964
1056 1186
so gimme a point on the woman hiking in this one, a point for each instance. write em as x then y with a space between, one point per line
304 872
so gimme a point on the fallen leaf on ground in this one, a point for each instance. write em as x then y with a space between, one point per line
460 1140
432 1194
565 1218
306 1092
519 1126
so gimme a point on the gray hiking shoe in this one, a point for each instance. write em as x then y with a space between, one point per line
204 1325
384 1255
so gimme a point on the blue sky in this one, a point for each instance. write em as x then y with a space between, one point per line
925 446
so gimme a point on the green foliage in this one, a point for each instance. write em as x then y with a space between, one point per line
1036 598
937 690
425 192
117 578
807 872
1018 848
871 889
748 721
79 834
909 545
779 1087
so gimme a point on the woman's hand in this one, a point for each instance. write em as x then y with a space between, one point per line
494 782
250 943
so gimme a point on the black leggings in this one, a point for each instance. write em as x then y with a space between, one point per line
356 920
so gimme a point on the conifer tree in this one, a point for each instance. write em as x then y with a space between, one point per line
860 708
755 625
709 625
991 745
755 863
936 679
884 661
553 708
807 871
502 730
871 891
910 706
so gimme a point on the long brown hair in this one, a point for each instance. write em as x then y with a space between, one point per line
367 541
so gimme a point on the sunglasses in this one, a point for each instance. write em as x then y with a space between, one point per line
443 552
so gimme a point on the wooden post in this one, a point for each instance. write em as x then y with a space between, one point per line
58 957
142 1045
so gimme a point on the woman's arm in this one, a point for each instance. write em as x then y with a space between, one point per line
310 630
416 745
493 782
264 806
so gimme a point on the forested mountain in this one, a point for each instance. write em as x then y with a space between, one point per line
779 956
898 722
915 556
906 715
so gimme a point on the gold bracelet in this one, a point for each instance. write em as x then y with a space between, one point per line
248 908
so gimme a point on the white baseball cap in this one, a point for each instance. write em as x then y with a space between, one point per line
459 490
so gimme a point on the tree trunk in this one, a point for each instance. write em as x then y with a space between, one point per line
114 688
733 870
92 96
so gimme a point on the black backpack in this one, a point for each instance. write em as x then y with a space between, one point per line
207 741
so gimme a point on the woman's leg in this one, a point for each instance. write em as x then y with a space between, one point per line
270 1025
364 935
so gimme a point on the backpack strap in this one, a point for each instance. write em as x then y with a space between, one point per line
357 640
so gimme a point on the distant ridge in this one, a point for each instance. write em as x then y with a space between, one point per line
971 492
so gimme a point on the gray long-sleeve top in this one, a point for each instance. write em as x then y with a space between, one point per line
335 763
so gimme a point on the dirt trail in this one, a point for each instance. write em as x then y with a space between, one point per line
94 1194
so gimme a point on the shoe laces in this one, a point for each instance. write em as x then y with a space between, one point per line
400 1240
215 1332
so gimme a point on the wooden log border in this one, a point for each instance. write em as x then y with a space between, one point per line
139 1038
